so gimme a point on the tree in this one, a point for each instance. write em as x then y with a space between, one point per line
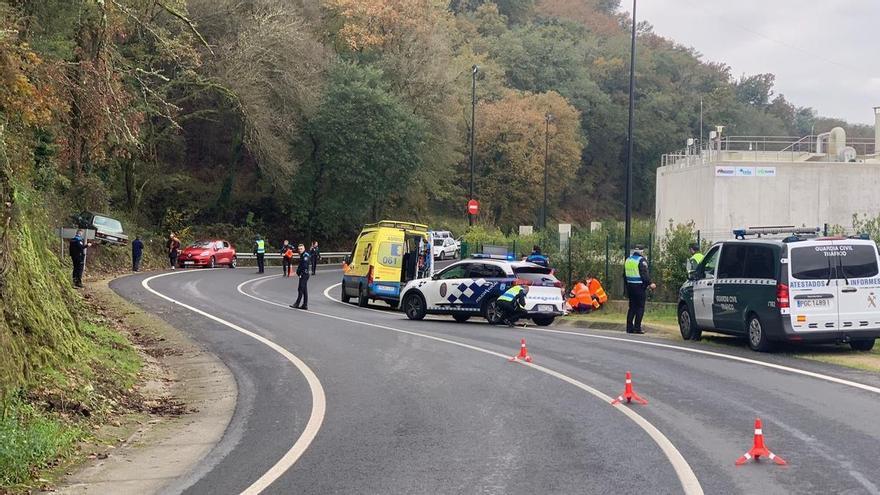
755 90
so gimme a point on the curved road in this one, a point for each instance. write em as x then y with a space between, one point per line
435 407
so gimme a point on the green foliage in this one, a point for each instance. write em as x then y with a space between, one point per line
865 224
670 268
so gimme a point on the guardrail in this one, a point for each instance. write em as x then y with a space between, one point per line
325 257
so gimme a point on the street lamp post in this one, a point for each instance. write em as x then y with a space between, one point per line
474 71
629 137
548 118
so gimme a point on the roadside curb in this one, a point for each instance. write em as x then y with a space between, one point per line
613 327
166 447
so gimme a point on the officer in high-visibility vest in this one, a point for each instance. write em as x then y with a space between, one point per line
512 304
696 257
260 253
638 281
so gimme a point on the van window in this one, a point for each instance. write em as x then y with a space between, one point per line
733 261
811 263
760 262
860 261
391 254
710 263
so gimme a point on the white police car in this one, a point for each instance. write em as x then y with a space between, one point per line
470 288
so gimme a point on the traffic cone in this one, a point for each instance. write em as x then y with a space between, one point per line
759 449
523 353
628 393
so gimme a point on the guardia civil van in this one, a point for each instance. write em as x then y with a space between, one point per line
796 289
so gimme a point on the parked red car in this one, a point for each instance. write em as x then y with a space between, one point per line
207 253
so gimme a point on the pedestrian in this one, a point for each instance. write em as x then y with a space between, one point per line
314 256
537 258
512 304
696 257
137 252
173 246
638 281
286 258
78 248
260 253
302 271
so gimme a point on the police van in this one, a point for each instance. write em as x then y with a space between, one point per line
798 289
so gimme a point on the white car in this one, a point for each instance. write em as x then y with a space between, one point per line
445 248
470 287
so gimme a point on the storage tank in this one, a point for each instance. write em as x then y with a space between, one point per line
836 141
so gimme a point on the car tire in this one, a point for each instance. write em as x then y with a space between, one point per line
490 312
687 325
344 297
212 263
543 321
363 300
460 317
756 335
862 345
234 262
414 306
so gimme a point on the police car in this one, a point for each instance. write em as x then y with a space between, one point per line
470 288
796 289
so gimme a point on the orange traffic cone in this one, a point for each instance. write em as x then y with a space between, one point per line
523 353
759 449
628 393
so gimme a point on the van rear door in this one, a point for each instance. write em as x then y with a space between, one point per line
813 290
859 284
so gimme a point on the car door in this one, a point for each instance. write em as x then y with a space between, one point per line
859 284
486 280
727 305
442 294
813 289
704 289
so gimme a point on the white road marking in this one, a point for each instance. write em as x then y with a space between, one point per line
319 400
789 369
689 482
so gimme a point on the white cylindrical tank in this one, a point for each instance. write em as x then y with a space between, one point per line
836 141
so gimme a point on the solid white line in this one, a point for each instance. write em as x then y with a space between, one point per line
789 369
686 476
319 400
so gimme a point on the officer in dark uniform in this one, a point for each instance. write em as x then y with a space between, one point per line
638 281
260 253
314 256
78 247
302 271
137 253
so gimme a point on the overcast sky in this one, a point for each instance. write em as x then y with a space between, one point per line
824 52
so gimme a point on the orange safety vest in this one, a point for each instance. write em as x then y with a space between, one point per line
597 290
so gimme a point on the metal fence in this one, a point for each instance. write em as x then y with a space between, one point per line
275 258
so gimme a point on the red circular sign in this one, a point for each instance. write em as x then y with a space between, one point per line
473 207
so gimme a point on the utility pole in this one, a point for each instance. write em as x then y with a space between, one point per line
473 130
701 126
629 138
547 118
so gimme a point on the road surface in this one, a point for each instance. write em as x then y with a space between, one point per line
342 399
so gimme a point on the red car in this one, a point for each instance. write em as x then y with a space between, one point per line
207 253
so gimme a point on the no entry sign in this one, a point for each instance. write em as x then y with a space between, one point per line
473 207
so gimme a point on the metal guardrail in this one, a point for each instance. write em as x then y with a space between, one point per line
277 256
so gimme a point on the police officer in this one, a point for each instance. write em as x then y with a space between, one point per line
695 259
78 247
314 256
286 258
512 304
137 252
302 271
638 281
537 258
260 253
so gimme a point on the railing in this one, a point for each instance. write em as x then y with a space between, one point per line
325 257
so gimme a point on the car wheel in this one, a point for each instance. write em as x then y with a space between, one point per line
344 297
757 336
414 306
363 300
212 263
686 324
234 262
543 321
862 345
491 312
461 318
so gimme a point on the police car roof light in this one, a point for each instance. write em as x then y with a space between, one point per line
796 232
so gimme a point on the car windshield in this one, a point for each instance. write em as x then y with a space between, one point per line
202 244
107 224
536 275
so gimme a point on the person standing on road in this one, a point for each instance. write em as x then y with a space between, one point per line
286 258
78 247
537 258
137 252
638 281
696 257
314 256
260 253
512 304
173 246
302 271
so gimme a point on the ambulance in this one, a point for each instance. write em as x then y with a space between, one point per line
800 288
387 255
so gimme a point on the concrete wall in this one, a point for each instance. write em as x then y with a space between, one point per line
800 194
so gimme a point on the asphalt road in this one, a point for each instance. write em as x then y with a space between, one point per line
435 407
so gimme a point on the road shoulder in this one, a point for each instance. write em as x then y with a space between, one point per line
194 395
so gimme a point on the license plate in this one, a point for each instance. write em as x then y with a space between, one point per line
814 303
189 262
547 308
